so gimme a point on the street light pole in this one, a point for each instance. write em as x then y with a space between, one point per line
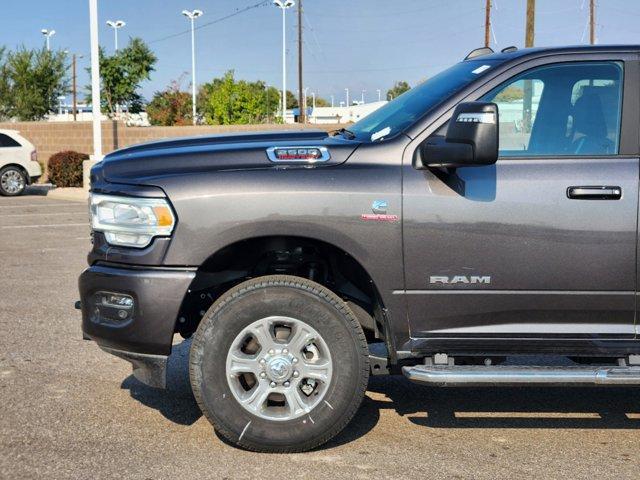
304 100
61 99
313 107
75 88
362 98
192 16
95 81
284 5
47 35
347 90
379 95
116 25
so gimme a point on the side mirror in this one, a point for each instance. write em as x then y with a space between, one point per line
471 140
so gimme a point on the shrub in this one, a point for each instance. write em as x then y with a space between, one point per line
65 168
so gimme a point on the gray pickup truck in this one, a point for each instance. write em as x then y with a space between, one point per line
487 214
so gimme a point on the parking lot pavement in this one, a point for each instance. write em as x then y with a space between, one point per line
69 410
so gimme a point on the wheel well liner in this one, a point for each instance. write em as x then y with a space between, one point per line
304 257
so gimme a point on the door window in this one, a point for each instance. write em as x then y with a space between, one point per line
571 109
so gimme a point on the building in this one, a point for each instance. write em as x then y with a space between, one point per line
84 113
341 114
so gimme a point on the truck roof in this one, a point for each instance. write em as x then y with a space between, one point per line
536 51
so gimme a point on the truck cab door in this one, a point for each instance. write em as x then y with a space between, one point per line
541 245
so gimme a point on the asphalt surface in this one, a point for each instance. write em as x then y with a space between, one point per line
69 410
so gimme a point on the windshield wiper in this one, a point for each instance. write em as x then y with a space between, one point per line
348 134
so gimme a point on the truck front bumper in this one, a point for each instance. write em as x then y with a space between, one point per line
141 329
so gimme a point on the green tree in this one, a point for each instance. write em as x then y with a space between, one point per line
292 100
121 75
320 102
226 101
5 102
510 94
31 82
170 106
398 89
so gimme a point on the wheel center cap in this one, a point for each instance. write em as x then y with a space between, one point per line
279 368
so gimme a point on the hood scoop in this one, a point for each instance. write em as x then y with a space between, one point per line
288 149
297 154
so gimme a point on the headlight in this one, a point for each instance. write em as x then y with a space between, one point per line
129 221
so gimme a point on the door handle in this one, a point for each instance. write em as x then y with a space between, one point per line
594 193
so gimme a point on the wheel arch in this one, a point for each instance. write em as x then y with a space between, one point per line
323 262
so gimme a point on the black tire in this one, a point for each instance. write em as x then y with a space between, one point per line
308 302
14 171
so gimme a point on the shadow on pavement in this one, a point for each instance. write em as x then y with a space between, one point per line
37 190
176 403
511 407
431 407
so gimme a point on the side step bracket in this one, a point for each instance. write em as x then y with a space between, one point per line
502 375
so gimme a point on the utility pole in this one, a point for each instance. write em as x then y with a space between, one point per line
487 23
75 88
303 114
531 21
528 85
592 22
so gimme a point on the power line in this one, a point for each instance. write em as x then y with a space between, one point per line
405 26
376 15
213 22
315 37
622 11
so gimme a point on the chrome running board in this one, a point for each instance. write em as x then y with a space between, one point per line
445 375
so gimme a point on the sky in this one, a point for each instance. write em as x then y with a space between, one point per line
356 44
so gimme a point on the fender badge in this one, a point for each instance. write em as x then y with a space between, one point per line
379 209
379 206
377 217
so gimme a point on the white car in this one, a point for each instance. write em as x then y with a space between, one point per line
19 165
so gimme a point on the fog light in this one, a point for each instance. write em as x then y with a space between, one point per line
116 300
113 308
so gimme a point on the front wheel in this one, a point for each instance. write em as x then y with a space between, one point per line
279 364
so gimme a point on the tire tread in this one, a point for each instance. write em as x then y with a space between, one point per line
290 281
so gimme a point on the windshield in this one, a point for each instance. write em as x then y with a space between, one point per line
409 107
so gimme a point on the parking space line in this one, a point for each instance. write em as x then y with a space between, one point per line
42 214
69 204
55 225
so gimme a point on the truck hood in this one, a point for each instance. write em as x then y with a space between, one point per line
142 163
